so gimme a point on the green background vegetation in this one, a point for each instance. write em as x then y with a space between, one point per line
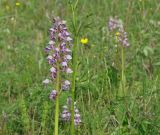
24 104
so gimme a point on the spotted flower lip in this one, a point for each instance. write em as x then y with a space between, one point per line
64 64
53 70
51 42
77 117
66 85
53 95
76 110
67 82
69 39
66 115
69 71
56 49
68 57
51 29
47 49
49 57
68 50
46 81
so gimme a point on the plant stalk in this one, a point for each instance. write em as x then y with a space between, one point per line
122 70
74 66
73 83
57 101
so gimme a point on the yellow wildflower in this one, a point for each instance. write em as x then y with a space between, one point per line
18 4
117 34
84 41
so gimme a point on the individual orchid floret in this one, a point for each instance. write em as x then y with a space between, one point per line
53 70
122 38
68 57
53 95
114 23
64 64
66 115
46 81
66 85
68 71
77 117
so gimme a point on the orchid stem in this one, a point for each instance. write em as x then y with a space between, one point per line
122 70
57 101
74 66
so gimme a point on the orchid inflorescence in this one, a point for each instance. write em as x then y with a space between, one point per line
59 54
66 115
116 24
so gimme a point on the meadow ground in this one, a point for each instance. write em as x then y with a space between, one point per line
24 104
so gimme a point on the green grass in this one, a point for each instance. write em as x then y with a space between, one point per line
23 67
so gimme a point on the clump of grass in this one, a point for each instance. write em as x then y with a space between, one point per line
44 117
3 123
24 116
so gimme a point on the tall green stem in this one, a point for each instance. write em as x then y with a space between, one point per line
57 101
74 66
123 78
123 68
78 130
73 83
